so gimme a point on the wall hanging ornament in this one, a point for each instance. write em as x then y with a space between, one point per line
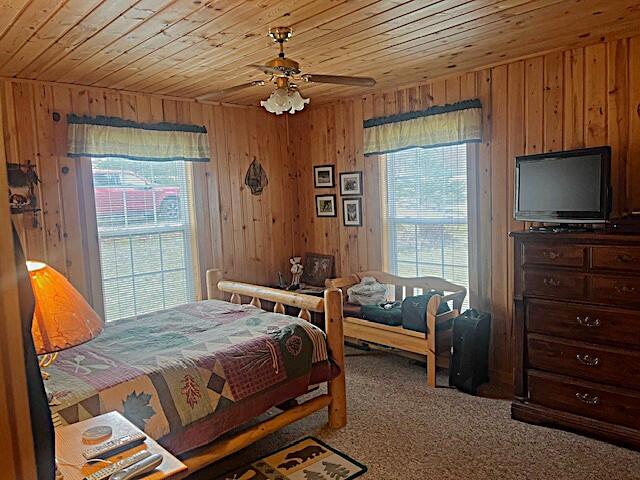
22 179
256 177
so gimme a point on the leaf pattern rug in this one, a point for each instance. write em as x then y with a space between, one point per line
306 459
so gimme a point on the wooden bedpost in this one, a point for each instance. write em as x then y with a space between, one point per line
213 277
432 311
335 339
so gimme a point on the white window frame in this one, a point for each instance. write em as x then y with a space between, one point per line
91 240
473 227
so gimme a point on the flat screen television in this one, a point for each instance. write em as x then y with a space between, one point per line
564 187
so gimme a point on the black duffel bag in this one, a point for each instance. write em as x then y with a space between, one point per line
469 364
414 311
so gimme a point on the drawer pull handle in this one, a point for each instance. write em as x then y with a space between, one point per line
550 254
624 289
588 399
625 258
551 282
588 322
588 360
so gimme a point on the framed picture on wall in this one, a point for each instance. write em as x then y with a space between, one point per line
351 184
326 205
324 176
352 212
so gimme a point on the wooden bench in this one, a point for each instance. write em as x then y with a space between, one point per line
435 344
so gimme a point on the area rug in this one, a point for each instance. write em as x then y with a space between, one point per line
306 459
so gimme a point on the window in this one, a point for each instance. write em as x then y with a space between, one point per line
144 233
426 213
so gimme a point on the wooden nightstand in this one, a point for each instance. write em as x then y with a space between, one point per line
69 447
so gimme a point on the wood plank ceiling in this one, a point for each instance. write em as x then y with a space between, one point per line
189 48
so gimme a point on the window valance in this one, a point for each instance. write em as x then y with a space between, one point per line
437 126
101 137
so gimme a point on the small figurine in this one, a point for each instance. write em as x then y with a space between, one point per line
296 270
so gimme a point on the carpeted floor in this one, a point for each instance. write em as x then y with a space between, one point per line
403 430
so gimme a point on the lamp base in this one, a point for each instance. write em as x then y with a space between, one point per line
44 361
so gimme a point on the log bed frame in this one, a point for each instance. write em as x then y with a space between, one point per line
334 399
435 344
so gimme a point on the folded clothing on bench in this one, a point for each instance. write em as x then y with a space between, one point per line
414 312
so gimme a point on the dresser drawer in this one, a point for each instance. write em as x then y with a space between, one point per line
616 258
585 323
619 290
587 361
561 255
592 400
554 284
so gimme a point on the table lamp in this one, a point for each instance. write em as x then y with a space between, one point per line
62 317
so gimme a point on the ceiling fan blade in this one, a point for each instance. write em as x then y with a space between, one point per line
229 90
266 69
340 80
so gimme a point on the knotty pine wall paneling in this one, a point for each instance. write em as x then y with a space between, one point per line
249 237
17 455
562 100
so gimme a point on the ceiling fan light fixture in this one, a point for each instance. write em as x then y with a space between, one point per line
284 100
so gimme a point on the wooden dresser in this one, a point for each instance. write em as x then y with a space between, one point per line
577 333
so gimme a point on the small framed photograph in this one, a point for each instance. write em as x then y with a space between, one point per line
326 205
352 212
351 184
324 176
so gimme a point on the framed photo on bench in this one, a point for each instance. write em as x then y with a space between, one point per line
317 268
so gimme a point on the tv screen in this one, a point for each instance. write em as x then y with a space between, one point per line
565 187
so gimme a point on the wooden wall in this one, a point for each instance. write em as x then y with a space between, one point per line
17 455
582 97
250 237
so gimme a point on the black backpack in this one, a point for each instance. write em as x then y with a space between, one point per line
469 364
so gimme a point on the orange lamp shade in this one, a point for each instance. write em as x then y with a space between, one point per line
62 317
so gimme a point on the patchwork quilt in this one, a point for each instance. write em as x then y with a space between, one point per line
191 373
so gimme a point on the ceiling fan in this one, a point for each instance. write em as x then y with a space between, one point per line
286 74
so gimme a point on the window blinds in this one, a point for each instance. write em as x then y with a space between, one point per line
144 231
426 213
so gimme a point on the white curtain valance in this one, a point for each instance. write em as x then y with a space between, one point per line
435 127
101 137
